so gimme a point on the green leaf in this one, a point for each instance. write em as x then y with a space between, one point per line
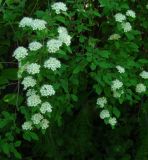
97 88
17 143
104 54
3 123
116 112
74 97
64 84
10 74
27 136
5 148
13 99
60 19
104 64
16 153
34 136
3 80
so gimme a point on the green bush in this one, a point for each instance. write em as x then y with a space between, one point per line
99 79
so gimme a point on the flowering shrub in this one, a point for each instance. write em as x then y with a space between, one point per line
82 74
34 61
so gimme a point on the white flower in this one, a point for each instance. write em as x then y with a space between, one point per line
46 107
36 118
144 74
63 36
27 125
119 17
114 37
116 84
44 124
62 30
28 82
38 24
26 21
131 13
53 45
52 63
33 68
112 121
126 27
101 101
33 100
30 92
47 90
117 94
34 46
104 114
140 88
20 53
58 7
120 69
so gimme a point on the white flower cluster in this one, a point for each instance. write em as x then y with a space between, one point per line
59 7
44 124
36 118
35 24
104 114
34 46
126 27
140 88
116 88
102 101
53 45
25 22
39 120
144 74
33 68
29 82
27 125
20 53
37 96
120 69
116 84
131 13
33 100
52 63
119 17
64 37
47 90
38 24
114 37
112 121
46 107
31 92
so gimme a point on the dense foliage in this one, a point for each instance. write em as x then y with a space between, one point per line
98 76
